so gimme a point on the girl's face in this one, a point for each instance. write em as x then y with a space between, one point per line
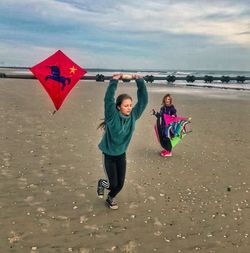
167 101
126 106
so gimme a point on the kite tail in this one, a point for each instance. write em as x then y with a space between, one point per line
175 129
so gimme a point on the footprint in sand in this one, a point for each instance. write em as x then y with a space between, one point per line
130 247
22 182
140 190
61 180
6 162
14 237
45 224
41 210
84 250
29 199
82 195
6 172
157 222
47 192
133 205
83 219
91 227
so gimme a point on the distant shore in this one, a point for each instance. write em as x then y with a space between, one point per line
220 80
226 72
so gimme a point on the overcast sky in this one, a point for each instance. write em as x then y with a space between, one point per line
141 34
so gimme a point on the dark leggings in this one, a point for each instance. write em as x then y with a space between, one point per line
115 169
164 140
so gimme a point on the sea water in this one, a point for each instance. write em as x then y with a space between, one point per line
233 84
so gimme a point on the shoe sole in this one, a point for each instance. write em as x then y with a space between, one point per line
166 155
112 207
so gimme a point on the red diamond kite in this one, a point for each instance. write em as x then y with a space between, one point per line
58 74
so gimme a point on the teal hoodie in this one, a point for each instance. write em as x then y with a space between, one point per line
118 127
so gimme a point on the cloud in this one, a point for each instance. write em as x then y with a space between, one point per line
21 54
141 31
219 21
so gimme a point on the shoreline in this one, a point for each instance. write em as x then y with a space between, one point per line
233 84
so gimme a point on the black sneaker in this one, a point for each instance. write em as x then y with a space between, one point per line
111 203
100 189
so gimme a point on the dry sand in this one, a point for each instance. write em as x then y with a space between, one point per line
195 201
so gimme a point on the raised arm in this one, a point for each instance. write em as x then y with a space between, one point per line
142 96
109 99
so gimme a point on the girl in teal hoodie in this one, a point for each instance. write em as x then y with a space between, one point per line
119 125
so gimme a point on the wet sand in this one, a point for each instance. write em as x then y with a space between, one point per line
195 201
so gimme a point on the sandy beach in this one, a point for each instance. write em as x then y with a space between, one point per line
195 201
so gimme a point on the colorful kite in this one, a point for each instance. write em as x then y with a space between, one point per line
175 128
58 74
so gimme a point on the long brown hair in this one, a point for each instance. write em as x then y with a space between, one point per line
167 95
118 103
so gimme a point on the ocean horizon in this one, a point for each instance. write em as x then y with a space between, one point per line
179 74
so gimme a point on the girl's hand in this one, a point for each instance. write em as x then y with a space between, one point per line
117 76
127 76
136 76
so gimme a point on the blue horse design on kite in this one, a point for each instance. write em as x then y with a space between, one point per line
55 71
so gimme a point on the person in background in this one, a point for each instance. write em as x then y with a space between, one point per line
169 109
